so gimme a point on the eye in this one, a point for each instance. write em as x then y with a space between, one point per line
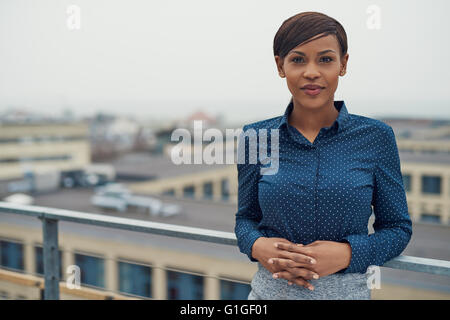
295 59
331 59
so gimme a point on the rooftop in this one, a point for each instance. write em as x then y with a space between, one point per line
156 166
425 157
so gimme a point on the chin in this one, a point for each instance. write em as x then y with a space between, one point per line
312 102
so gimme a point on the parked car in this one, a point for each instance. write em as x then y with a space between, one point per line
20 198
108 202
117 196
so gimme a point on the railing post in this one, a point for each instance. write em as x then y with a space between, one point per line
51 259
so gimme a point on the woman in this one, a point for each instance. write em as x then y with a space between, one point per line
307 224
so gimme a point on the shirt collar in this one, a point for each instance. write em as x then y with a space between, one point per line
340 120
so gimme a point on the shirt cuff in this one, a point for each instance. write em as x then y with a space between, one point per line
251 238
360 251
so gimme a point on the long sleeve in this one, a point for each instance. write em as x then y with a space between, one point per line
249 212
392 226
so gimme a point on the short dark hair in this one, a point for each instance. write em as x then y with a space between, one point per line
302 27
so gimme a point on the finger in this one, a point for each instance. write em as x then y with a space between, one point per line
303 272
284 275
292 247
292 273
285 263
292 279
288 245
301 282
297 257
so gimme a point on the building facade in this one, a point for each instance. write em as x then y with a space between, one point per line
42 147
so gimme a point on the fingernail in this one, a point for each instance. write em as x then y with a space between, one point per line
311 288
312 261
275 275
316 276
290 283
276 245
270 261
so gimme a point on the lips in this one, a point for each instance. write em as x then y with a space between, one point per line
312 87
312 92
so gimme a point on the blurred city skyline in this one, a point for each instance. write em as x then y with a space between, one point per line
167 61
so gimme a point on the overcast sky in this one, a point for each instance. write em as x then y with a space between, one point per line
171 58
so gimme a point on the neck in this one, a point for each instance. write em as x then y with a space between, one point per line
312 120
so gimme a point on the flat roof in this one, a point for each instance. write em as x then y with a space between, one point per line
157 166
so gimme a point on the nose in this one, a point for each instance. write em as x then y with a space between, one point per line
311 71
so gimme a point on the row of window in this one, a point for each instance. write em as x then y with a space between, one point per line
429 184
133 278
429 217
34 159
189 190
422 151
36 139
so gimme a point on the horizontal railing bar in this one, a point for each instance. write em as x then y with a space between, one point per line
164 229
418 264
409 263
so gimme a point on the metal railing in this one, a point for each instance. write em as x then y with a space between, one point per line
51 216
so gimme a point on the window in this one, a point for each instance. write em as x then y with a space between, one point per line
432 218
230 290
431 184
11 255
43 158
407 182
183 286
189 191
135 279
4 295
37 139
170 192
39 259
208 190
92 270
225 189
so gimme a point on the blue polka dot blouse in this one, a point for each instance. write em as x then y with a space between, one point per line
324 190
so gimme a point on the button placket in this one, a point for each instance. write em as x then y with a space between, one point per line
316 178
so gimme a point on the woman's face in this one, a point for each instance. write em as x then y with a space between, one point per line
315 62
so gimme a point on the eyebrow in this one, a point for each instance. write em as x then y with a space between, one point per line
320 53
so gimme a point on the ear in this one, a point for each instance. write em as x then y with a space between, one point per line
344 62
279 62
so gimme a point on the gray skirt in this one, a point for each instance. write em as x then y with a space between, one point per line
337 286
